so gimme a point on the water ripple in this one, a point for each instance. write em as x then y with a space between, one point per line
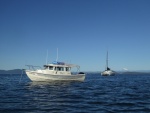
121 93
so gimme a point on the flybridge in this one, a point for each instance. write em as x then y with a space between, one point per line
58 63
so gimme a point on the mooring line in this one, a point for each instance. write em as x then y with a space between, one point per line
21 76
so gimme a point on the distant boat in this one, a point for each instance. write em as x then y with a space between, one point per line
108 71
55 71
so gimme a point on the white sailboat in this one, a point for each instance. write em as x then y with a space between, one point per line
108 71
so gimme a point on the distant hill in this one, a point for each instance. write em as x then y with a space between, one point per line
19 71
134 73
15 71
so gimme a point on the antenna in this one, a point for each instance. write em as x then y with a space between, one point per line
46 56
57 55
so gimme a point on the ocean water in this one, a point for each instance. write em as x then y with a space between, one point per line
97 94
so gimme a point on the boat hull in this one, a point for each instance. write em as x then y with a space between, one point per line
34 76
108 73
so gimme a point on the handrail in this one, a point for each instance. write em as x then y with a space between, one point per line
31 67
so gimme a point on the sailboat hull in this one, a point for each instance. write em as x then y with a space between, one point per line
108 73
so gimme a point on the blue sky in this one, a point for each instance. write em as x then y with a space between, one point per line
82 30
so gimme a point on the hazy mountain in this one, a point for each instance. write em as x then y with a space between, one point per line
19 71
15 71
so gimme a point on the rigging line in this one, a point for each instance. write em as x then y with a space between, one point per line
21 76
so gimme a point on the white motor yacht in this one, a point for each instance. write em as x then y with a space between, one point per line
55 71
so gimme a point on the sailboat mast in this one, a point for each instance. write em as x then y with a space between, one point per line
107 60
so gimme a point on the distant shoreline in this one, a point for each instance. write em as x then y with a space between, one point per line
19 71
14 71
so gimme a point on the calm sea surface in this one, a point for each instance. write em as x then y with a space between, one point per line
97 94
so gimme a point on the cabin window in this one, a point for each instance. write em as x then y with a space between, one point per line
67 69
50 67
59 68
46 67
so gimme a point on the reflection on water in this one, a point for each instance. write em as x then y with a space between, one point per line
52 83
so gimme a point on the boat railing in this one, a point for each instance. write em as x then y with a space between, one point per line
75 70
31 67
